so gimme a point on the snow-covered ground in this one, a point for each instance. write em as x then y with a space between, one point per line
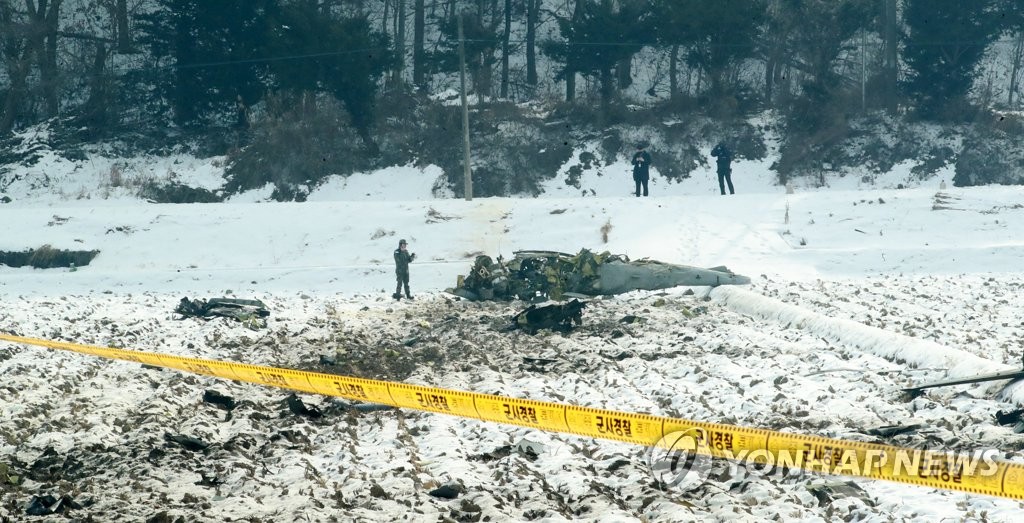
857 292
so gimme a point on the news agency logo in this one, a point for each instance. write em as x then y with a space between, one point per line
680 460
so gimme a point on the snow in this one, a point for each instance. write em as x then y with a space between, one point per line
859 290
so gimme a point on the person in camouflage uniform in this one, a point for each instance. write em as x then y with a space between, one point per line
402 259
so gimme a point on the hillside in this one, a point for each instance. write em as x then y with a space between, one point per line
926 276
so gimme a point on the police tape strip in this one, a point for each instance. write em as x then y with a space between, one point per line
976 474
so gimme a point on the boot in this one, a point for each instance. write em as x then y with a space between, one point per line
397 296
408 296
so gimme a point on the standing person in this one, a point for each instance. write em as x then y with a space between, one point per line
641 169
724 155
402 259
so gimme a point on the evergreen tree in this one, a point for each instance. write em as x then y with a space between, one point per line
213 50
945 41
481 40
310 51
813 47
599 35
719 34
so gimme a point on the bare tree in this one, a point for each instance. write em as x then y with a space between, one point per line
532 16
42 39
399 42
17 59
1016 58
890 62
505 48
418 54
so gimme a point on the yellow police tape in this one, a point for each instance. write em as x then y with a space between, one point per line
974 473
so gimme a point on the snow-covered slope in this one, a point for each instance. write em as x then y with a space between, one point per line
838 275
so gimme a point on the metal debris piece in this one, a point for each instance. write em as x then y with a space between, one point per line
47 505
536 276
1012 375
216 398
449 491
1009 418
826 493
187 442
529 448
250 312
559 317
893 430
299 408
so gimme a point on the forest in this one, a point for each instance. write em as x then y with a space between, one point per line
295 90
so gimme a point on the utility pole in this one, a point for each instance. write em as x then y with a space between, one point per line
465 113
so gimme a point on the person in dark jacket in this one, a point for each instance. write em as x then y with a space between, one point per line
724 155
402 259
641 169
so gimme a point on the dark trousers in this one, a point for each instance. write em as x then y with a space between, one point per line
641 180
403 279
725 177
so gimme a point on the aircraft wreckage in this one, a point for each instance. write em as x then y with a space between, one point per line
540 275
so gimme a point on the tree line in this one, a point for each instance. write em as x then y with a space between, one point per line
107 64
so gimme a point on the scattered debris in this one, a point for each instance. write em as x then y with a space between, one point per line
380 233
449 491
6 477
1009 417
252 313
46 505
187 442
377 491
538 361
299 408
126 229
557 317
57 220
208 481
216 398
433 216
530 449
826 493
893 430
1013 417
539 275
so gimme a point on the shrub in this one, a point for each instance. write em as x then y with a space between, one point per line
297 150
47 257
